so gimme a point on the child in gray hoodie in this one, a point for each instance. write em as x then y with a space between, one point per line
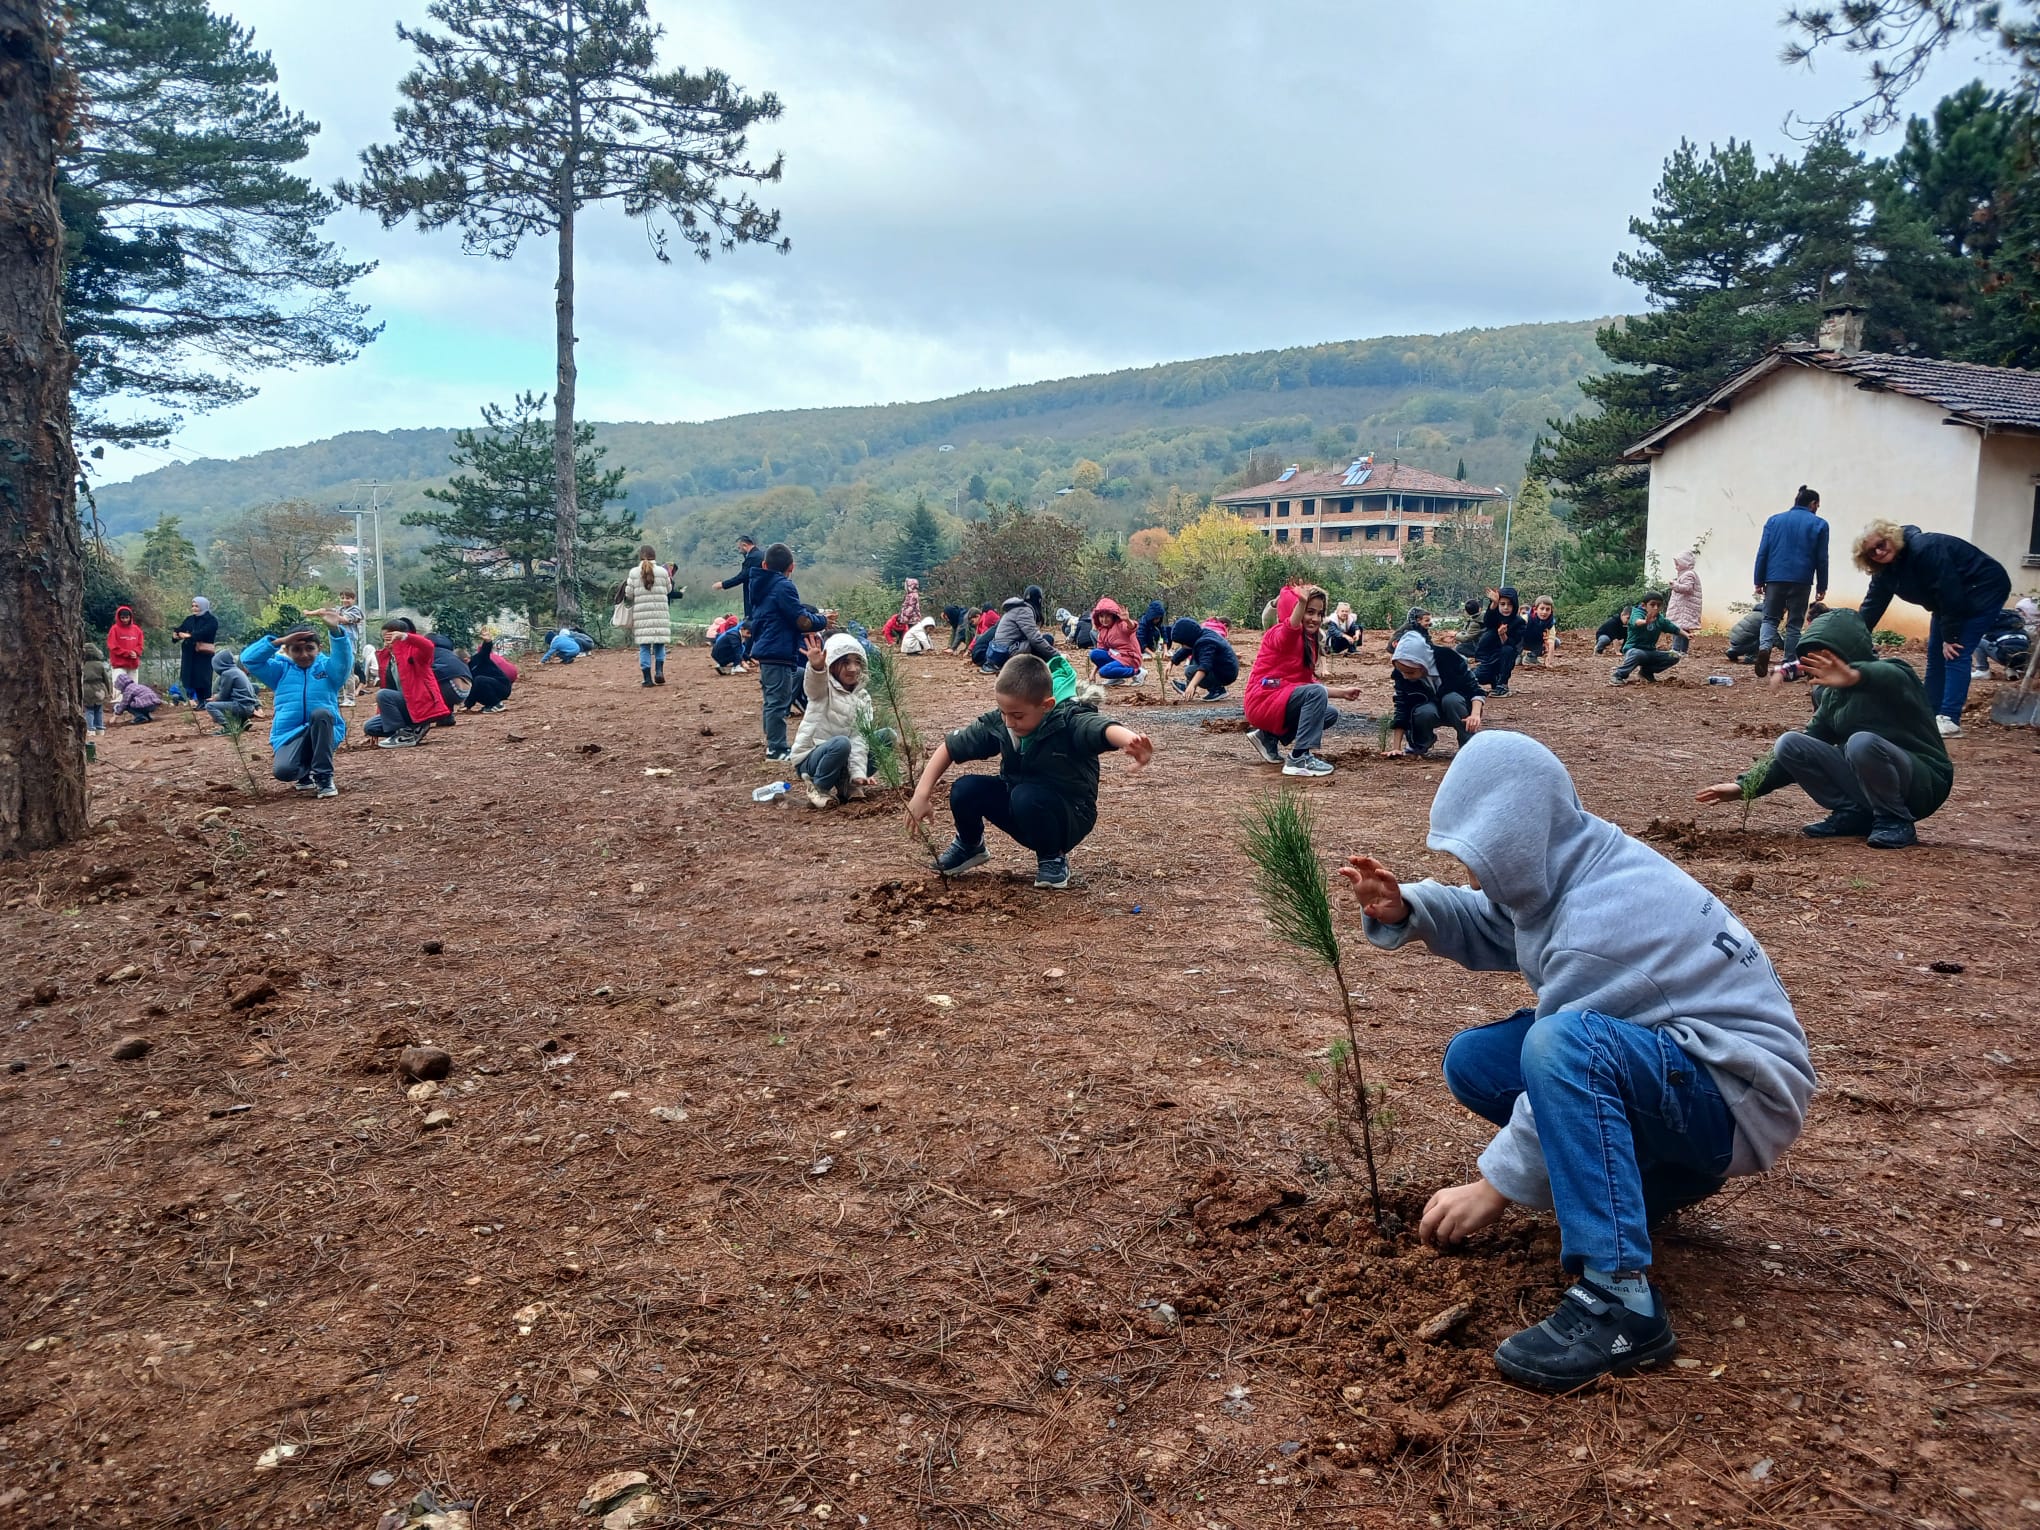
1662 1057
233 693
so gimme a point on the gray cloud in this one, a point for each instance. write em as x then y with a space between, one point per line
981 195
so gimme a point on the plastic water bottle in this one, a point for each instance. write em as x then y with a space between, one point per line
1721 679
772 792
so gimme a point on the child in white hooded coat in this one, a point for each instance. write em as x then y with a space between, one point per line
830 751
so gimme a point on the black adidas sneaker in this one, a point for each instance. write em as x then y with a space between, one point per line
1591 1335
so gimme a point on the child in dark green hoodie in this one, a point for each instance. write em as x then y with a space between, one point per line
1871 754
1046 792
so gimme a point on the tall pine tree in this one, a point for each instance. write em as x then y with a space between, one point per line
523 112
193 255
918 547
495 540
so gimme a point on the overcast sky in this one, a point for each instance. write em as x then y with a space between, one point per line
980 196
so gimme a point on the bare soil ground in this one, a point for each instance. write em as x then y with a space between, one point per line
822 1192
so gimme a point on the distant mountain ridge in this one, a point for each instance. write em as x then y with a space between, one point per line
1477 396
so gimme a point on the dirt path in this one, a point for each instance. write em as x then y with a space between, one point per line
779 1171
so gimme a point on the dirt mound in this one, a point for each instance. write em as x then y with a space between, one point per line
1224 724
899 904
1688 839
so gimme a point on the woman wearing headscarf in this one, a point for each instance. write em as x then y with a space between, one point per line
197 632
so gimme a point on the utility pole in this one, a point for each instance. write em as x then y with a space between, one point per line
373 510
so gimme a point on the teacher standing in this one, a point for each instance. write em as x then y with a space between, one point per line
198 632
1961 584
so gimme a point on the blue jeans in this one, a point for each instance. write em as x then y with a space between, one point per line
95 718
649 654
1632 1128
779 683
828 763
1110 668
1948 679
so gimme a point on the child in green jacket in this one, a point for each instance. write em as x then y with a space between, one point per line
1046 792
1871 754
1640 644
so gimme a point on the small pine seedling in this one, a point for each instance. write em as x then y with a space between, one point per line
237 736
885 759
1384 729
1748 782
889 704
1280 838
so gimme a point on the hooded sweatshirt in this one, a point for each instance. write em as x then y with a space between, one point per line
1152 623
779 620
1888 701
1019 630
1119 638
97 676
1596 920
1445 674
407 663
301 692
1207 648
1498 631
910 603
919 638
124 643
832 711
133 696
1287 659
1683 609
231 686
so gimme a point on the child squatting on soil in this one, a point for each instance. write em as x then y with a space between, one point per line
1662 1057
830 751
306 726
1046 792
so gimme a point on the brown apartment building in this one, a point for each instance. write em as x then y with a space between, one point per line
1367 510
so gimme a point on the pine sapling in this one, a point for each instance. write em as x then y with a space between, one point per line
1748 782
236 729
887 687
1384 729
1280 838
885 759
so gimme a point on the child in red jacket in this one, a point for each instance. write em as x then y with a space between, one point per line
410 697
1117 658
1284 702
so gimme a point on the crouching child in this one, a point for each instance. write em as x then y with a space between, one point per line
1046 792
1208 651
233 694
135 699
830 751
1433 689
306 727
1662 1058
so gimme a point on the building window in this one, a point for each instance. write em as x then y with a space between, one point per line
1374 533
1282 507
1416 533
1310 507
1345 507
2033 543
1388 533
1345 533
1307 531
1267 511
1282 533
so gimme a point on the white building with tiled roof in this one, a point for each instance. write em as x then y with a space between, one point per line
1365 510
1942 445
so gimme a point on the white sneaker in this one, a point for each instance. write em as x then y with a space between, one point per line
817 798
1949 727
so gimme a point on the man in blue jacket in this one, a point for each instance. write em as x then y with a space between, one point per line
1792 567
779 622
741 579
307 727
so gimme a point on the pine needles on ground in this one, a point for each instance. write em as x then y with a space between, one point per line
1280 838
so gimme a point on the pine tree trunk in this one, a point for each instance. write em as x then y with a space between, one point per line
42 755
566 529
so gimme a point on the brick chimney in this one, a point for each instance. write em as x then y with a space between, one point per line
1841 328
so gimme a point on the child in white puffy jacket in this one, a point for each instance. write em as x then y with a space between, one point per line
830 751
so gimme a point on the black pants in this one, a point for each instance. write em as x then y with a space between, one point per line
981 648
1613 630
1499 664
1449 710
309 756
1037 816
488 690
959 636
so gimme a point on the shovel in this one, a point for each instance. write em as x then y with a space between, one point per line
2020 708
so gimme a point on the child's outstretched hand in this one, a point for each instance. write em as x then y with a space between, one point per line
813 644
1457 1212
1376 888
1140 747
1720 791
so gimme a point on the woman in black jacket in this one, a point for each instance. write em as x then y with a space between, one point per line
199 632
1961 584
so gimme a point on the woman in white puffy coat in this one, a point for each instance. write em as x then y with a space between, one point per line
651 621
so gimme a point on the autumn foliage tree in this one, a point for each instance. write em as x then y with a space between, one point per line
520 114
275 547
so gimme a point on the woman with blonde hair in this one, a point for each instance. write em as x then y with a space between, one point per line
651 622
1963 587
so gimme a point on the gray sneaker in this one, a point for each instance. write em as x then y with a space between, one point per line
1052 871
1306 764
961 857
1269 749
328 789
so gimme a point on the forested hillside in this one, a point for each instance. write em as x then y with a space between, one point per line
1475 397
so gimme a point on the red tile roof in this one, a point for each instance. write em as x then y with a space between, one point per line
1387 478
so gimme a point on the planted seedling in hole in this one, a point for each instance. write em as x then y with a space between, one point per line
237 736
887 687
1748 782
1280 838
1384 729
